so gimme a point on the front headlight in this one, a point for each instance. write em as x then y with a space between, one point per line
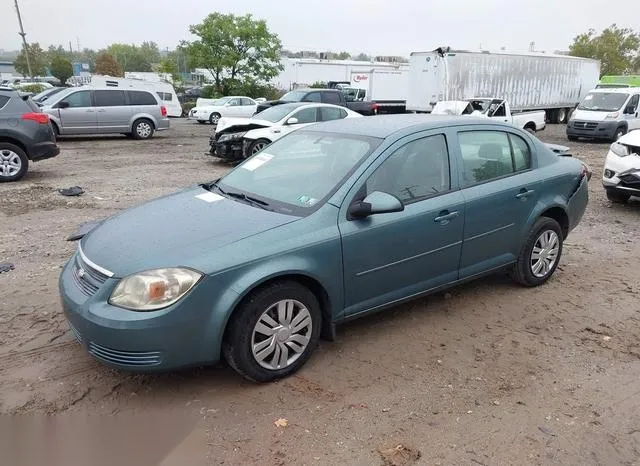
612 116
619 149
153 289
231 136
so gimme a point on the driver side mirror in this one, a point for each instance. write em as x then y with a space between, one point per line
377 202
63 104
630 110
292 121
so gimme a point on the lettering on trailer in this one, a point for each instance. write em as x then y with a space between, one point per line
360 77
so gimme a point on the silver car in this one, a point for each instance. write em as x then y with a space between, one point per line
104 110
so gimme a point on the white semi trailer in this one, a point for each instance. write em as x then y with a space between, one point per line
528 81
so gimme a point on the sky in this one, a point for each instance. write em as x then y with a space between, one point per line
377 27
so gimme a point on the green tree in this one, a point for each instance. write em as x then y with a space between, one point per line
343 56
37 60
362 57
167 65
617 49
319 85
106 64
134 58
61 68
234 49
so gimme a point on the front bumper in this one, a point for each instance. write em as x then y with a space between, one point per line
592 129
622 173
231 150
43 150
170 338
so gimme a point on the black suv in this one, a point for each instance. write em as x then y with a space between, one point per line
25 134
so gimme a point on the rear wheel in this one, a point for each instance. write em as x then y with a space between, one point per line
13 162
142 129
619 197
530 129
561 116
273 332
540 253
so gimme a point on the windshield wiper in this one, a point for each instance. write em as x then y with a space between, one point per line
251 200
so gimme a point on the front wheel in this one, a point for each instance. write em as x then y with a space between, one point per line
617 196
619 133
214 117
142 129
273 332
257 145
540 253
13 162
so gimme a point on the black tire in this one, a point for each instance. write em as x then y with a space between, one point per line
572 138
142 129
237 344
621 131
10 156
257 145
619 197
56 130
530 130
202 122
214 117
522 270
560 116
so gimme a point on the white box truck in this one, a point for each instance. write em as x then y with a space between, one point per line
528 81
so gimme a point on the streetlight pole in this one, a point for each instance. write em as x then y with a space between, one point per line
24 40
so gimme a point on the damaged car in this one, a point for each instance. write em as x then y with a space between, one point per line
621 175
235 139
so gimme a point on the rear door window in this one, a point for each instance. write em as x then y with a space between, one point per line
330 113
109 98
3 100
331 98
246 101
312 97
141 98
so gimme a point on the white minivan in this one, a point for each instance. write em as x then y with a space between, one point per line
605 114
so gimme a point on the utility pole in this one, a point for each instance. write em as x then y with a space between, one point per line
24 40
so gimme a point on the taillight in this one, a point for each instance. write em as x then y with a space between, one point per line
374 107
163 110
41 118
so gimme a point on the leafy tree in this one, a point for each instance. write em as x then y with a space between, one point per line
61 68
37 60
342 56
234 49
134 58
362 57
170 67
151 51
616 48
319 85
107 65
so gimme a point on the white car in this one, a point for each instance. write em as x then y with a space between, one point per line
238 138
230 106
621 174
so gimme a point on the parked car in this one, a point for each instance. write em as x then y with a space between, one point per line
105 110
605 114
25 135
230 106
621 174
238 138
327 96
335 221
497 109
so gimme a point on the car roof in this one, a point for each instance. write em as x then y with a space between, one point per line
616 90
382 126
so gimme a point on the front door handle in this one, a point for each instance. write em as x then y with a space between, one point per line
445 216
90 111
524 193
102 110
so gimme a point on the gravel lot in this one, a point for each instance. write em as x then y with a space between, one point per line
489 373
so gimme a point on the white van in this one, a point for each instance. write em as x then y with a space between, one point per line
163 89
605 114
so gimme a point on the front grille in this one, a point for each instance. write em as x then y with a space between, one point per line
585 125
88 279
76 333
630 181
125 358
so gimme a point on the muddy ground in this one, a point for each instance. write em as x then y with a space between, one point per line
489 373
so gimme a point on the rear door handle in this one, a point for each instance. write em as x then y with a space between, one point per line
445 216
524 193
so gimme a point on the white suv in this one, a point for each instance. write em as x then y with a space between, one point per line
621 175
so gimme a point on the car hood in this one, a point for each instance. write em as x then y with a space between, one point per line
241 124
180 229
632 138
589 115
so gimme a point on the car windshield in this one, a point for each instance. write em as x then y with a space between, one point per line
273 114
293 96
297 173
46 94
603 101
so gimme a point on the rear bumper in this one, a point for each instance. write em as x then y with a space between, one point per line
592 129
163 124
42 151
577 204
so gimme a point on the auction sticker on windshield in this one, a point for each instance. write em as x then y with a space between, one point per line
209 197
256 162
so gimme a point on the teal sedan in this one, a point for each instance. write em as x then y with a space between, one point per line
329 223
